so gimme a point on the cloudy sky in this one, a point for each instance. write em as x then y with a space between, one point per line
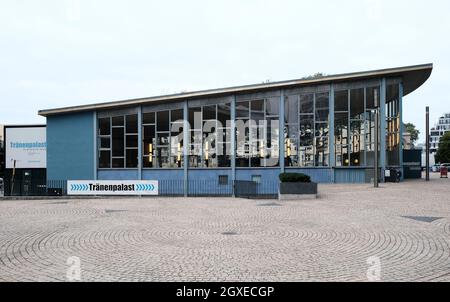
57 53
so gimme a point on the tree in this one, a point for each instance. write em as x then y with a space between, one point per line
411 129
443 154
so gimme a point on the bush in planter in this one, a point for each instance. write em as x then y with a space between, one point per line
294 177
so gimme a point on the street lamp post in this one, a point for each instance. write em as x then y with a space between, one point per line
377 125
427 144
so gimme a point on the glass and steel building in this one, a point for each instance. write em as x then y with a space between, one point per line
442 127
323 127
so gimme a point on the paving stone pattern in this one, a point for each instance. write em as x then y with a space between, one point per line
226 239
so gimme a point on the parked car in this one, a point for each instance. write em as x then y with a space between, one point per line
1 184
435 168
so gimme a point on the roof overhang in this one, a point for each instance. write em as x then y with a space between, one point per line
413 77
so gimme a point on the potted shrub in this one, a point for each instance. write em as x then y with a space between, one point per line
296 186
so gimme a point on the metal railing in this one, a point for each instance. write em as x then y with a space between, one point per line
170 188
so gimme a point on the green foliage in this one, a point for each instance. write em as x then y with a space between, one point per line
411 129
443 154
294 177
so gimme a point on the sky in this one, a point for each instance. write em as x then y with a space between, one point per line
57 53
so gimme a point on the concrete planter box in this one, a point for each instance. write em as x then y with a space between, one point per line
298 190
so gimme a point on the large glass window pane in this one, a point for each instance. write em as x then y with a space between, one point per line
393 125
272 154
195 118
357 144
176 115
162 120
209 112
291 109
131 123
105 142
176 146
341 153
306 144
322 155
195 145
357 104
341 101
162 157
273 106
224 115
148 118
104 160
370 97
132 141
257 110
322 107
341 139
242 143
149 138
162 138
117 121
104 126
118 163
118 142
291 147
306 103
242 109
132 158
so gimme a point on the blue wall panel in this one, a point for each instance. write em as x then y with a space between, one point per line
70 147
350 176
118 174
267 174
206 182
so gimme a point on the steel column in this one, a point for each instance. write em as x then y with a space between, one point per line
140 160
96 153
281 132
400 113
186 130
382 116
233 143
331 133
427 144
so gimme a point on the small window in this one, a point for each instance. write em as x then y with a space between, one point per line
223 180
256 178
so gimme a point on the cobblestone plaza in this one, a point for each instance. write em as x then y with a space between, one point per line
405 226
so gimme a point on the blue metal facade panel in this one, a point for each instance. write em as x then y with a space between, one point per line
117 174
353 176
317 175
206 182
266 174
70 147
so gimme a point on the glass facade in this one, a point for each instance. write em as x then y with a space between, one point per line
308 142
117 142
210 136
392 126
162 134
354 125
307 118
257 133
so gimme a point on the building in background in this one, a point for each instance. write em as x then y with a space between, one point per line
407 143
216 137
25 158
442 127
